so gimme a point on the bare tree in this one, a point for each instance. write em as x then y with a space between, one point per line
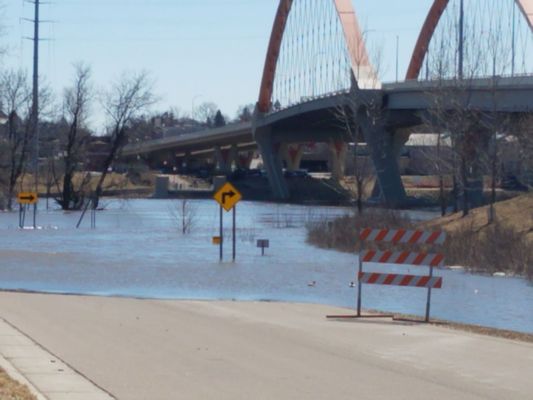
184 214
245 113
349 118
522 134
362 170
16 97
206 112
126 100
76 104
451 113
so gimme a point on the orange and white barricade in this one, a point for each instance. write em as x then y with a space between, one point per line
395 237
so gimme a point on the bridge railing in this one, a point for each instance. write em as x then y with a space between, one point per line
307 99
501 80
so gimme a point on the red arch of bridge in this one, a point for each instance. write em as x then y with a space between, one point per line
352 34
432 20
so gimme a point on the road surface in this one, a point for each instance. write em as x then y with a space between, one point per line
152 349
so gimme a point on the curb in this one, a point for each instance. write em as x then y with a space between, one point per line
47 376
17 376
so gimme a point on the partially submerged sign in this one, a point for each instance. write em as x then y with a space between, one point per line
228 196
263 244
28 198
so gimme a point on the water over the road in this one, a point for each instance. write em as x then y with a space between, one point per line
137 250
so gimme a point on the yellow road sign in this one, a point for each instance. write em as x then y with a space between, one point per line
227 196
216 240
28 198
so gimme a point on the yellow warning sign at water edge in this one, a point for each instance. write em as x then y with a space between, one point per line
28 198
227 196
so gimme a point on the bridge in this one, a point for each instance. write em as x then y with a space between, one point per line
320 85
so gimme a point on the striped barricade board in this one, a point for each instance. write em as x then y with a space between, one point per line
403 258
427 282
402 236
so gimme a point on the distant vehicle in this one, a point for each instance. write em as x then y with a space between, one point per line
511 182
238 174
297 173
202 173
254 173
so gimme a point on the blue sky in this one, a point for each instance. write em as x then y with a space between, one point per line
196 50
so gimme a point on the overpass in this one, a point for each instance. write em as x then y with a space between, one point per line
303 106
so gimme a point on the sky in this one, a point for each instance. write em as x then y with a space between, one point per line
195 50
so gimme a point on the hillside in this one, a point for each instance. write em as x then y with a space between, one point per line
515 214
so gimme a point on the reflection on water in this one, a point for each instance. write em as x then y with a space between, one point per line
138 250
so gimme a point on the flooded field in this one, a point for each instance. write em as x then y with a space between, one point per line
138 250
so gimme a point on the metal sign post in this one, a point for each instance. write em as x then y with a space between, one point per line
428 305
359 286
228 197
221 242
234 232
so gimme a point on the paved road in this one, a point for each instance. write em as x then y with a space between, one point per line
139 349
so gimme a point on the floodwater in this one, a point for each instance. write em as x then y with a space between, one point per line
138 250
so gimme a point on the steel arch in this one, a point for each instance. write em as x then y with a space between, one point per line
352 34
428 29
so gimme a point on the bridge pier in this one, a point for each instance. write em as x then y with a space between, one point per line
272 161
337 160
244 159
292 155
225 158
385 148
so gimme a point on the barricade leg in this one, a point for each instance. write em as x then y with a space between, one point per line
428 305
359 287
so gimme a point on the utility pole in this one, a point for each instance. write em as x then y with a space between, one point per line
397 55
513 45
461 39
34 118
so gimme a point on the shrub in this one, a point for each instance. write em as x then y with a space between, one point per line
492 249
343 233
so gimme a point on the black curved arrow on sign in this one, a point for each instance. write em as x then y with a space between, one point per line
229 194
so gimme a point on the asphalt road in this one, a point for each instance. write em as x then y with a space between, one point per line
140 349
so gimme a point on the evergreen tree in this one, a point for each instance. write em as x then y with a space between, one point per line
219 120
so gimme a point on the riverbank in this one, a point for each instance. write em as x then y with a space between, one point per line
503 247
138 349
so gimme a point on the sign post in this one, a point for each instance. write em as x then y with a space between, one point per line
233 234
221 233
228 197
263 244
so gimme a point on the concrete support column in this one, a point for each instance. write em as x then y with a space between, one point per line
337 159
475 147
185 162
385 148
225 157
244 159
292 155
272 161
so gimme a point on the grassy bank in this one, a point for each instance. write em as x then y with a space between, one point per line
12 390
506 245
